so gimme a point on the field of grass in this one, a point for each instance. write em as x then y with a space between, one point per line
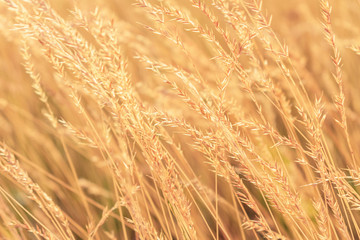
180 119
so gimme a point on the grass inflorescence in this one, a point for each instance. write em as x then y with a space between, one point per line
169 119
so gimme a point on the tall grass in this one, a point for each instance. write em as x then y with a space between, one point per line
191 119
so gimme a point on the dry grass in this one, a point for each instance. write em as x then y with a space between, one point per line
191 119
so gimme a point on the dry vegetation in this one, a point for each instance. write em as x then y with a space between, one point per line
179 119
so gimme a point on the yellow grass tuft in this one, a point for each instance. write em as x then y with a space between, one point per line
193 119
